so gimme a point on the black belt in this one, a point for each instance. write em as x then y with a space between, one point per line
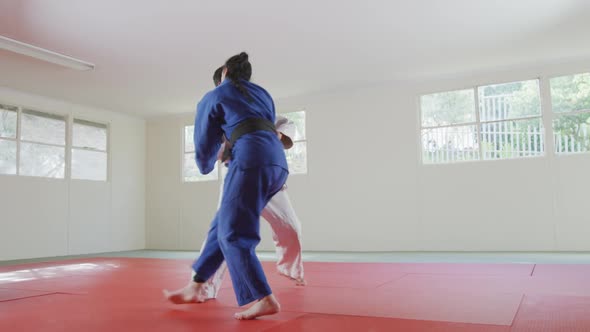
243 128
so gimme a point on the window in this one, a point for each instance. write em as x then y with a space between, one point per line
190 171
297 155
508 123
511 121
570 99
42 147
449 132
34 143
89 151
8 125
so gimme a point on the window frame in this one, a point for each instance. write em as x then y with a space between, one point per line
183 154
553 116
15 139
544 109
107 151
304 140
46 114
68 147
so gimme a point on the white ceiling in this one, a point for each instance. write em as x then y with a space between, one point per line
157 57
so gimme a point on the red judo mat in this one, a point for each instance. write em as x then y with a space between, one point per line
8 294
124 294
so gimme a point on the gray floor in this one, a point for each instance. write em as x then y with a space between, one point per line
383 257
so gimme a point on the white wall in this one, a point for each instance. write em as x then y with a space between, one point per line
367 191
55 217
525 205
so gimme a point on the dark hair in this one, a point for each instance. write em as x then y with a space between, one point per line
239 68
217 76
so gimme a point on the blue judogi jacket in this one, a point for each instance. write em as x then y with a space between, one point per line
218 114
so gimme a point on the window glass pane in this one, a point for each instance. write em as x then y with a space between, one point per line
43 128
89 165
512 139
297 158
189 145
446 108
7 157
8 116
42 160
570 93
572 133
192 173
89 135
298 119
449 144
509 101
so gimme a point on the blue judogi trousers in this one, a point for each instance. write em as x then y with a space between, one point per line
235 230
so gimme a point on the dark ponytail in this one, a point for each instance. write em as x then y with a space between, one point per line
239 68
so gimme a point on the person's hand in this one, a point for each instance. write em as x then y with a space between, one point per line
220 151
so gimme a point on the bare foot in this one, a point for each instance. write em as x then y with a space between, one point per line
266 306
189 294
298 281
